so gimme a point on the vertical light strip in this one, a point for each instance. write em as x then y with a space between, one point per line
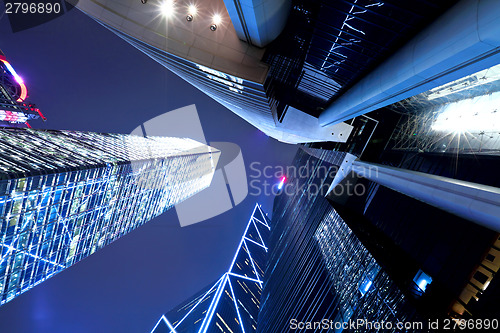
236 306
213 306
253 265
201 300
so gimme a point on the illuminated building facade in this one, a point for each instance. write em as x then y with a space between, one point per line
285 66
460 117
318 268
218 62
65 195
447 133
232 303
444 143
14 111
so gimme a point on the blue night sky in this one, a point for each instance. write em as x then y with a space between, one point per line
85 78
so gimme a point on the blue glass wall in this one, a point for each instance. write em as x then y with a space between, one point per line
320 276
64 195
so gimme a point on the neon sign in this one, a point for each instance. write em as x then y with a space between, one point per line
19 80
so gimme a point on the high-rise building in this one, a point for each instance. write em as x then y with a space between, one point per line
413 188
232 303
439 147
348 262
431 196
199 42
320 275
432 190
301 70
65 194
14 111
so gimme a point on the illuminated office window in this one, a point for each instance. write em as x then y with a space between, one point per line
64 195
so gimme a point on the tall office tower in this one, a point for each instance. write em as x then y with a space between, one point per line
14 111
201 42
64 194
435 155
232 303
280 64
320 276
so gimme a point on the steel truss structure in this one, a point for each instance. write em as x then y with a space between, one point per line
232 303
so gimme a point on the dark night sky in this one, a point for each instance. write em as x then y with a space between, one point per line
85 78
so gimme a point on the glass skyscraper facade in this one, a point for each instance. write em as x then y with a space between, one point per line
363 289
320 275
232 303
246 98
324 49
65 194
448 131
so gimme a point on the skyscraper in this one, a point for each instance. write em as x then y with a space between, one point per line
232 303
300 70
446 135
14 111
337 60
320 276
430 153
64 194
441 258
216 61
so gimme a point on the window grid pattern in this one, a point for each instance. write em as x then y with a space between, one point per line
317 269
80 192
364 290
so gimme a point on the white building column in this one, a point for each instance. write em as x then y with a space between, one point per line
465 40
258 22
474 202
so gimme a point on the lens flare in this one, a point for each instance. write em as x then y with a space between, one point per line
168 8
281 183
217 19
192 10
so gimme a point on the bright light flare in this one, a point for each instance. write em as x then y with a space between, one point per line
217 19
192 10
423 284
486 284
474 114
281 183
168 8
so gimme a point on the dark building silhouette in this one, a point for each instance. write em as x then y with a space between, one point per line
321 277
